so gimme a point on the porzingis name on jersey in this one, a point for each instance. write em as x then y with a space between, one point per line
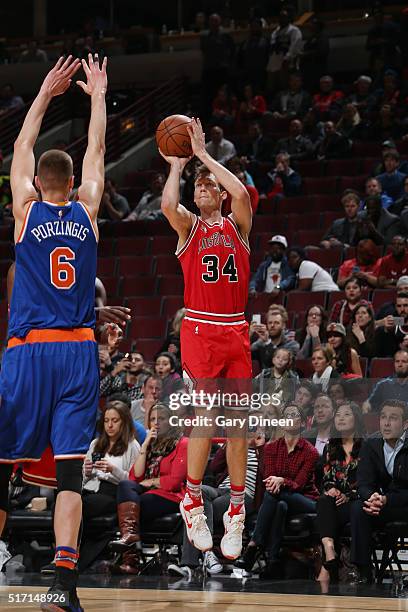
60 228
216 239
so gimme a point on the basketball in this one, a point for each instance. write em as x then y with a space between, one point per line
172 137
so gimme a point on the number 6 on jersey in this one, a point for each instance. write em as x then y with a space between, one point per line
62 273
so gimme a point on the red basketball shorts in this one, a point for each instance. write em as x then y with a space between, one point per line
216 357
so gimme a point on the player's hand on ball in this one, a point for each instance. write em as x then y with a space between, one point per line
197 137
176 161
96 77
59 78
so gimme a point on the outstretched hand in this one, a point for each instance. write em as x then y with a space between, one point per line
96 77
59 78
197 137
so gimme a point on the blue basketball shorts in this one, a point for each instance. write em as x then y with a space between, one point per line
49 395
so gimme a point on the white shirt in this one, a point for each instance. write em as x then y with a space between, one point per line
322 281
221 152
390 452
273 276
320 444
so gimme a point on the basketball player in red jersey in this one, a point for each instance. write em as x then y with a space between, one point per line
214 254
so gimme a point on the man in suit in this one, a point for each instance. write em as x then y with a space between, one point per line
377 223
382 483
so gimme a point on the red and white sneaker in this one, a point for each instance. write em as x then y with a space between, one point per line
231 543
196 526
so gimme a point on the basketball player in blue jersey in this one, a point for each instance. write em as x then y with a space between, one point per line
49 381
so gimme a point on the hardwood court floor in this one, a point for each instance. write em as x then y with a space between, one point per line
150 600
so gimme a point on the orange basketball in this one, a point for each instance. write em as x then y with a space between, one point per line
172 137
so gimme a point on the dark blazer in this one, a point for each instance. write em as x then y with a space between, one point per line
373 477
388 225
340 229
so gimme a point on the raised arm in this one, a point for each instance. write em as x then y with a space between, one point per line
177 215
93 167
240 200
55 83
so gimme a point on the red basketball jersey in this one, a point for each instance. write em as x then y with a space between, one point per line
215 263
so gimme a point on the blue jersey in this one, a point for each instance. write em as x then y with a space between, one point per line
54 282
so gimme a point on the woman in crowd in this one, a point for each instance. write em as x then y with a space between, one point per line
346 358
350 124
341 311
107 463
165 368
252 106
155 486
172 342
340 460
279 379
313 333
324 367
361 332
288 471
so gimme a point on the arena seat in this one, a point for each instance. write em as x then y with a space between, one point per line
171 284
135 265
261 303
327 258
105 247
106 266
305 238
324 203
171 304
164 245
325 184
310 167
366 149
132 286
301 300
297 205
304 368
343 167
146 305
306 219
133 246
352 182
328 217
381 367
111 284
381 296
148 327
149 347
166 264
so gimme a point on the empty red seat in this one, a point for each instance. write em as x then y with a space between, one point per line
138 285
111 285
334 296
167 264
328 217
171 285
148 346
353 182
106 266
367 149
343 167
146 305
368 165
105 247
327 258
164 245
171 304
305 237
148 327
310 168
261 303
133 246
255 259
381 368
326 184
381 296
301 300
275 224
298 205
307 219
323 203
132 266
304 368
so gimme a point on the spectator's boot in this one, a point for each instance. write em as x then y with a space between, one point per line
129 523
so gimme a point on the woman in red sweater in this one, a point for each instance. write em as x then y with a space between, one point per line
288 470
155 486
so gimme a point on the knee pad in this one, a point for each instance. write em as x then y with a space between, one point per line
69 475
5 473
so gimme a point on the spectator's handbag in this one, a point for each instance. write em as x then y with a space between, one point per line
347 570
